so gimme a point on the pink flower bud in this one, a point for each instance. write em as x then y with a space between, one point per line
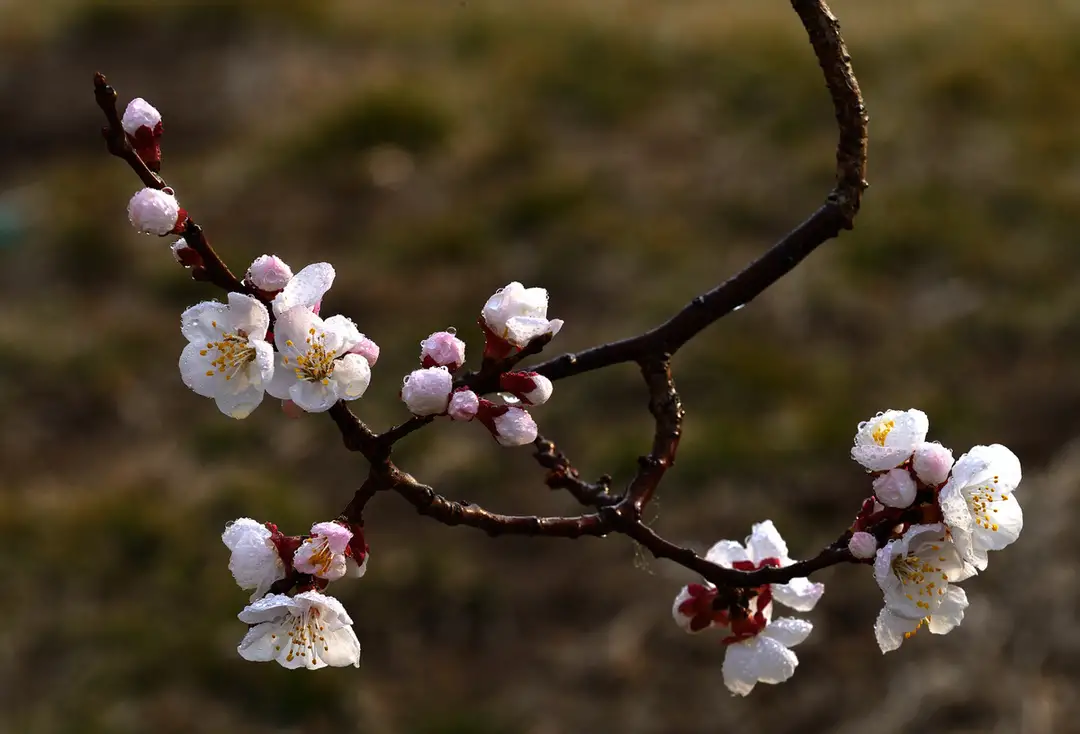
139 113
142 123
932 463
366 348
155 212
463 405
528 387
442 349
427 391
895 488
862 545
269 273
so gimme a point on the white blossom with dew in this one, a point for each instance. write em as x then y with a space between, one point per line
518 314
888 439
309 630
227 357
979 502
255 563
314 368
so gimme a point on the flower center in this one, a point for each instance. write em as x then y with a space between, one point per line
920 577
234 354
314 362
322 556
881 431
981 500
305 635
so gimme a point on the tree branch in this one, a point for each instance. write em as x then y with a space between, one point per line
652 350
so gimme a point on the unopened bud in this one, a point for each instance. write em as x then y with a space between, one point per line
367 349
862 545
427 391
932 463
155 212
142 123
269 273
895 488
442 349
511 426
514 316
186 255
529 387
463 405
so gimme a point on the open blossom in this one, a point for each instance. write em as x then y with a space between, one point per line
255 563
464 405
269 273
442 349
309 630
888 439
323 554
517 315
427 391
530 388
315 369
916 570
895 488
758 647
306 288
227 357
979 502
932 463
152 211
766 547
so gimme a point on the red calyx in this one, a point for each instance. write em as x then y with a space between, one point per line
495 347
147 143
488 412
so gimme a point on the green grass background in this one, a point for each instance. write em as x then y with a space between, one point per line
627 155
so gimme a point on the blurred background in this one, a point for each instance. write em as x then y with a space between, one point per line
625 154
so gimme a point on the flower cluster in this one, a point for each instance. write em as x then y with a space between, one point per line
931 521
929 525
510 320
757 646
233 357
310 629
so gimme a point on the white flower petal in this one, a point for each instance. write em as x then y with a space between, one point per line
788 631
347 334
352 373
267 609
800 594
306 288
194 367
314 397
520 330
249 315
951 612
726 553
889 629
282 379
340 648
765 542
758 659
204 322
240 404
